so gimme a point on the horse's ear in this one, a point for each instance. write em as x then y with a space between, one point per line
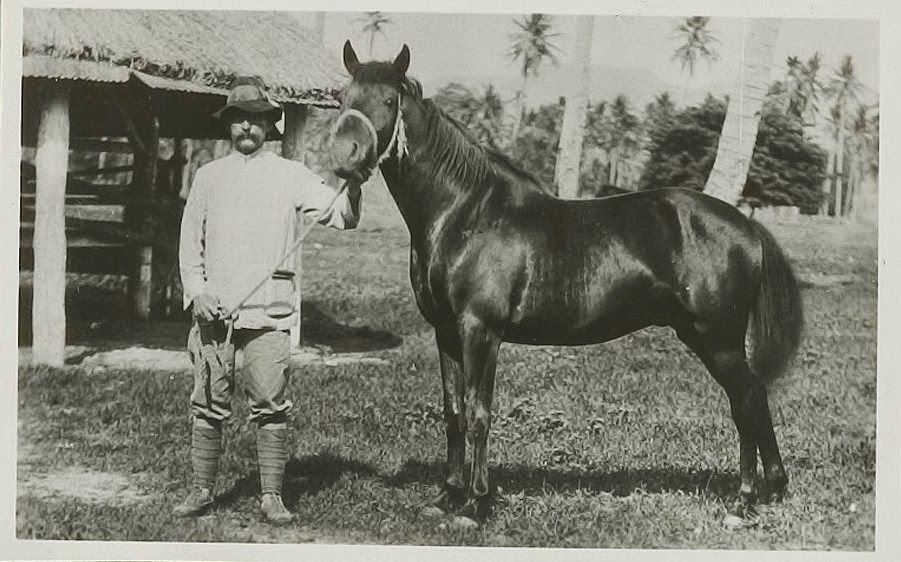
351 62
402 62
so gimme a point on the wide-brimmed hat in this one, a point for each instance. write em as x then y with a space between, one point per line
248 93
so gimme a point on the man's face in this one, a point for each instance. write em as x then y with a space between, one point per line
248 130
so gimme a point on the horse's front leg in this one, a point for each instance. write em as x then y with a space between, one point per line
480 347
450 356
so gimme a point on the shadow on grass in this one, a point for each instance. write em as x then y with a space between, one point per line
530 480
304 476
102 320
319 328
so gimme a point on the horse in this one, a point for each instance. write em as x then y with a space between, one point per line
495 258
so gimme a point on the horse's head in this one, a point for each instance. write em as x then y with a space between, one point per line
370 122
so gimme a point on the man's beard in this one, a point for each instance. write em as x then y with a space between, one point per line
241 143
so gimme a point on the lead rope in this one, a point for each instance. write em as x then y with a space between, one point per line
398 139
288 253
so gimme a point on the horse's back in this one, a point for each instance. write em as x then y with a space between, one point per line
596 269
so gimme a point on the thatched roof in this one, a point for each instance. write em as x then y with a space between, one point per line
197 51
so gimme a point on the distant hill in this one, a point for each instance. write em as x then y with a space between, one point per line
637 84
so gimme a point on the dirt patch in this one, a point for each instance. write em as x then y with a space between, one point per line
143 358
86 485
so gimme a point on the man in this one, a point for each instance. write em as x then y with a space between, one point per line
238 224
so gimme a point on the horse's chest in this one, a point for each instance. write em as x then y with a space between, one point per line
423 283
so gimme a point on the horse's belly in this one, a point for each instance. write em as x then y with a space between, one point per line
582 327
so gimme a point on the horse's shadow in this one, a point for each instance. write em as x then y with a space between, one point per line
318 328
310 474
532 480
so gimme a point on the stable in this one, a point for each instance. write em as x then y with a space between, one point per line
122 81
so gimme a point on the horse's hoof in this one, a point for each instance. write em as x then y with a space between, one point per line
733 522
741 517
433 512
463 522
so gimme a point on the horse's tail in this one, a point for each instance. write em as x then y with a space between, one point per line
778 316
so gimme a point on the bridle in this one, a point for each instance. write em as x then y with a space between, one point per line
398 135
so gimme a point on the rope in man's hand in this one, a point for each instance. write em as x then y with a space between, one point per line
290 251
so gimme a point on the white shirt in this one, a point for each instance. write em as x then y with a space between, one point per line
239 221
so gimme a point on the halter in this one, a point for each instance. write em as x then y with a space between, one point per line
398 135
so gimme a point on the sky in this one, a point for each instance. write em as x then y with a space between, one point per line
445 45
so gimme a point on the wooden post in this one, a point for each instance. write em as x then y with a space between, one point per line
144 194
293 148
48 315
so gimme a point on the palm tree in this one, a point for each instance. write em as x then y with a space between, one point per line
739 132
481 113
374 24
863 149
809 91
572 131
697 42
660 110
844 88
530 46
625 137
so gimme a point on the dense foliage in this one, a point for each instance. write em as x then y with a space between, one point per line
664 147
786 168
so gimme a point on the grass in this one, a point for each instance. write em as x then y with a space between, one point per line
625 445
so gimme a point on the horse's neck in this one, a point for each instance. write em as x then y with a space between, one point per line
422 195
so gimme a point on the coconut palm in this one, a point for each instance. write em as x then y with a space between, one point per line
531 45
809 90
625 138
697 43
739 133
863 150
481 113
659 111
374 24
572 131
844 88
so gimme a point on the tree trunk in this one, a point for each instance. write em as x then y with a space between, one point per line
840 165
575 114
739 134
293 148
519 107
48 315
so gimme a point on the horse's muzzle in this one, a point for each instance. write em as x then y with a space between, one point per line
353 147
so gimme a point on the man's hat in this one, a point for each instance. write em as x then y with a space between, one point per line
248 94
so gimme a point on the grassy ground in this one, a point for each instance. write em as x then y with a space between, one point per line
628 444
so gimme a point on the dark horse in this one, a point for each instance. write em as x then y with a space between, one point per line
494 258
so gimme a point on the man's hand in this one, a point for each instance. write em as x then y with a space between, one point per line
206 308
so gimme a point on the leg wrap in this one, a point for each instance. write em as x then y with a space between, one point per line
272 455
206 447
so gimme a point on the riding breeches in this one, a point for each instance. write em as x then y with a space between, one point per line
265 371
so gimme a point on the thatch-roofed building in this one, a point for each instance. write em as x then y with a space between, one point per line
92 74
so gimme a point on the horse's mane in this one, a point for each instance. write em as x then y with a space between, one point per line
460 158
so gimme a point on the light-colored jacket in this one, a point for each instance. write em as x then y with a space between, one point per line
240 219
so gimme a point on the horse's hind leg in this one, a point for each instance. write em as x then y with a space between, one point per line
747 398
450 356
